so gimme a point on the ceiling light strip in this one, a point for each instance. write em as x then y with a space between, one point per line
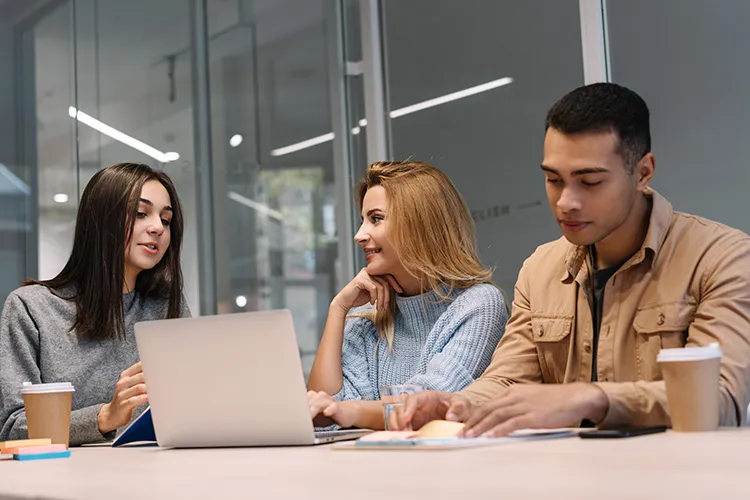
120 136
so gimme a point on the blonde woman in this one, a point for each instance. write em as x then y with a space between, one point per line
434 317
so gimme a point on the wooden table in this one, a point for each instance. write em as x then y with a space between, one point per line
670 465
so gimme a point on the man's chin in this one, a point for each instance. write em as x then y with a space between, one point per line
579 239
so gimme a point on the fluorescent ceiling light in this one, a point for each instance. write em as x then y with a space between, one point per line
302 145
60 198
235 140
121 136
255 205
362 123
430 103
397 113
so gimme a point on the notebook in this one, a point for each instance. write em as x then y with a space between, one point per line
441 434
140 430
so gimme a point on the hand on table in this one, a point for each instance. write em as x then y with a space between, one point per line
537 406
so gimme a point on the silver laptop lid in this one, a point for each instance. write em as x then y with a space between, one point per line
226 380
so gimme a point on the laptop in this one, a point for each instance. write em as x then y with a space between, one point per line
228 380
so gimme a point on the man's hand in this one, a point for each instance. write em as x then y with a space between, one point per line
423 407
129 394
527 406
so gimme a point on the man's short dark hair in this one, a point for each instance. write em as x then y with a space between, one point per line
605 107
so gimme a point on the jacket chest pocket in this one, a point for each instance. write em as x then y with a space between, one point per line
552 339
661 326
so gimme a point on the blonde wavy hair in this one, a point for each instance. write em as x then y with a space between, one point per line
431 229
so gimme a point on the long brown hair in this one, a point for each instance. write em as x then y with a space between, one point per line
431 229
96 267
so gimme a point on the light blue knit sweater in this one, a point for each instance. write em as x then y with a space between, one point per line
441 345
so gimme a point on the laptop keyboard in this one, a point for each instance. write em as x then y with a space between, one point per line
344 433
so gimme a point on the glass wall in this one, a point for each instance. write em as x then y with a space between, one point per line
273 103
281 128
83 61
50 72
497 66
287 122
690 70
133 73
24 116
111 81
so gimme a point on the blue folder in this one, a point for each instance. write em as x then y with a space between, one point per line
140 430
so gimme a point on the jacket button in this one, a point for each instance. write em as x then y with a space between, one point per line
540 332
587 347
660 319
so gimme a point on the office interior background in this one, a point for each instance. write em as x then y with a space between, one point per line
266 113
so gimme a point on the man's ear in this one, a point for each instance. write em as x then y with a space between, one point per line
644 169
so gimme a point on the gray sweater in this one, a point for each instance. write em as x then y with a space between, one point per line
36 346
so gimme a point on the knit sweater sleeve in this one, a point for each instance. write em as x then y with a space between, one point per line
468 334
185 308
19 351
19 348
355 364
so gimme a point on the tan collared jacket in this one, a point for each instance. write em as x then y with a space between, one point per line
689 284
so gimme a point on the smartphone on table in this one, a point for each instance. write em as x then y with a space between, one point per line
623 432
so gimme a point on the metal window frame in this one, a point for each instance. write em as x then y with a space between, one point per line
204 172
594 41
373 72
25 112
377 132
341 141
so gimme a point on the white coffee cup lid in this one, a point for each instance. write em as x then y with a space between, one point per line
29 388
689 353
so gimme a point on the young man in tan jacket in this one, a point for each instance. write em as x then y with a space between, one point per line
628 278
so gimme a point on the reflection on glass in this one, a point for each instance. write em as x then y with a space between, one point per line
135 99
274 209
699 114
474 105
54 141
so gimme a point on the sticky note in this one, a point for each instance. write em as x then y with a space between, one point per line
24 442
436 429
439 429
30 450
387 436
42 456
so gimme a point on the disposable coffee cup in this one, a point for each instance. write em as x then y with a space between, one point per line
691 376
48 409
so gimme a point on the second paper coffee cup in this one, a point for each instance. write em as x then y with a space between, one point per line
691 376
